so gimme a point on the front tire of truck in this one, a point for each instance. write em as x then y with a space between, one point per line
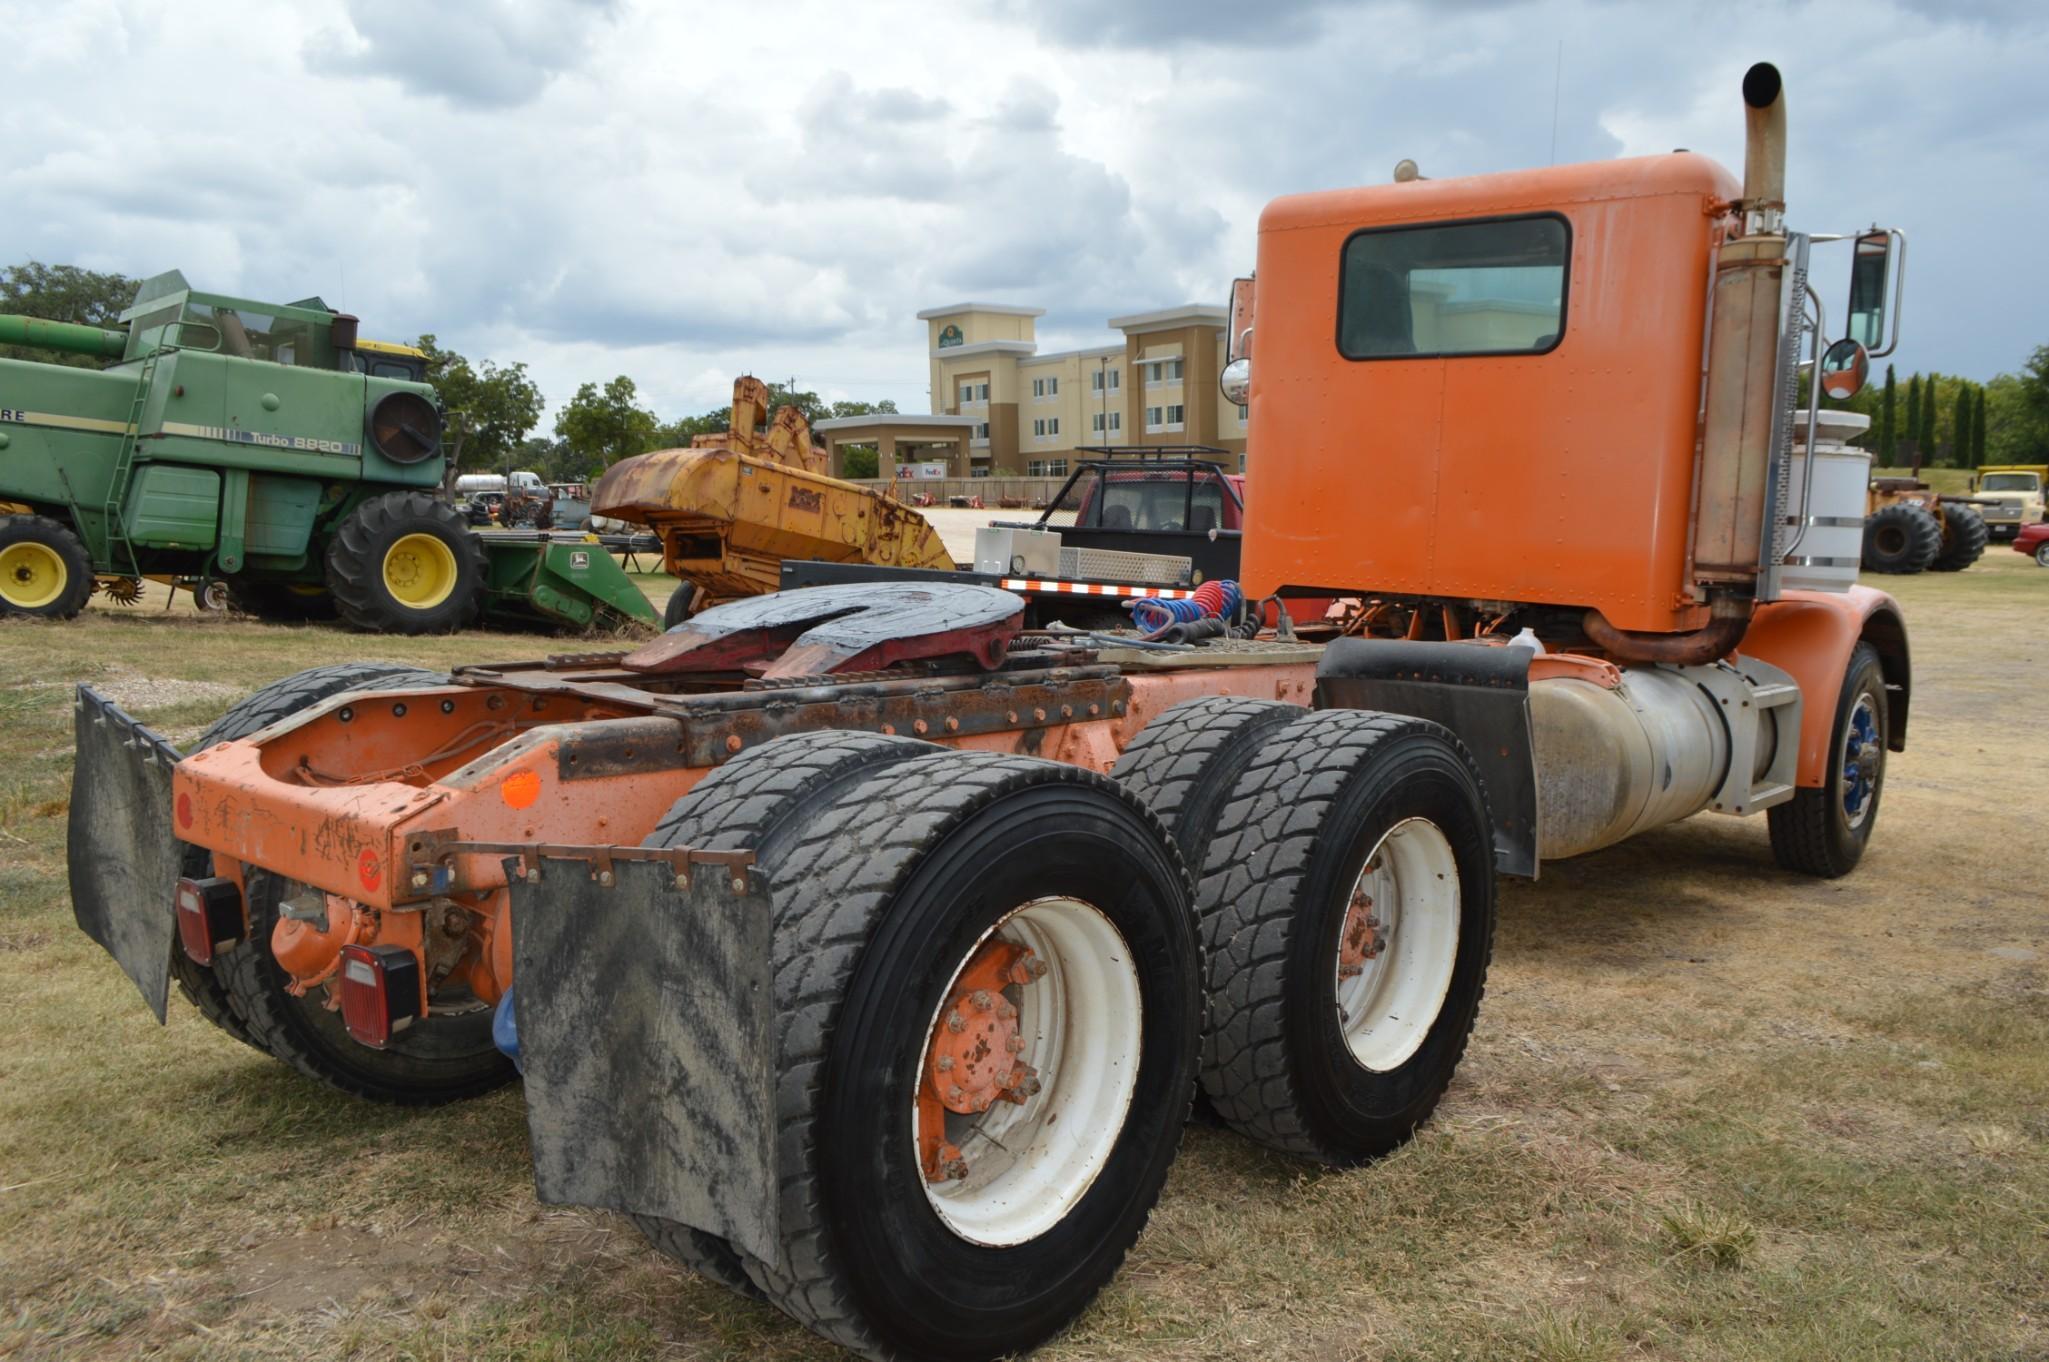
926 1221
1348 903
45 572
1824 831
405 563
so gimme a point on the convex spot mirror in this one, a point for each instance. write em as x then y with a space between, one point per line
1844 368
1870 272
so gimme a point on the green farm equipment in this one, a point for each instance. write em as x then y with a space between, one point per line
264 456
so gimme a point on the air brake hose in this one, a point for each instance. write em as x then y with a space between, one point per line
1730 623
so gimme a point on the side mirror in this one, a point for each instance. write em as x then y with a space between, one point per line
1870 274
1843 370
1238 338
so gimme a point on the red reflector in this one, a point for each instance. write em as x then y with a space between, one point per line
209 914
380 992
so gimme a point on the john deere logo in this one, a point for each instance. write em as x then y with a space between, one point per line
950 335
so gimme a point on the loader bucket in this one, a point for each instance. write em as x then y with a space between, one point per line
560 584
125 856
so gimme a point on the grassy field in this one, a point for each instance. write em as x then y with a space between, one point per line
1710 1111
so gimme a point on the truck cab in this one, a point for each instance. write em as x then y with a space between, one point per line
2009 496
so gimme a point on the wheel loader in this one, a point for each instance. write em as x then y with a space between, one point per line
867 949
1909 527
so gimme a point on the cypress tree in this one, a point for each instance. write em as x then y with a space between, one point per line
1960 427
1913 431
1978 429
1888 446
1928 419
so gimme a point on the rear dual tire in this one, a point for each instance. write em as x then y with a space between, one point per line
891 864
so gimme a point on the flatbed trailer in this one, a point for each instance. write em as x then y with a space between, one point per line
867 947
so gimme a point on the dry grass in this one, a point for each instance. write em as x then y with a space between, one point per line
1711 1112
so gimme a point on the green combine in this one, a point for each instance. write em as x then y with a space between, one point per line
262 455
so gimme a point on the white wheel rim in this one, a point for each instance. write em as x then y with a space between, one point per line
1388 1007
1081 1022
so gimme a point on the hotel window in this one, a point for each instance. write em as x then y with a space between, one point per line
1101 422
973 392
981 433
1163 418
1045 427
1045 387
1163 371
1244 412
1103 380
1046 468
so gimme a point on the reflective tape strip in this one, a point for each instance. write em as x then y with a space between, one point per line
1822 562
1829 522
16 416
1164 593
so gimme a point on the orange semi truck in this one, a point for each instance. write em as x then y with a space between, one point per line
868 950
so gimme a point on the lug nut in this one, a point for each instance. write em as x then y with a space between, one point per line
945 1063
956 1023
955 1092
980 1000
956 1170
1037 967
1030 1086
1015 1045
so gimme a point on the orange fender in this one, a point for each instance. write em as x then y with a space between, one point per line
1809 634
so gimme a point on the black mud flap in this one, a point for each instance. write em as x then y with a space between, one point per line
646 1033
125 855
1480 693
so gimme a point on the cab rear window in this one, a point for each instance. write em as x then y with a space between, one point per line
1493 287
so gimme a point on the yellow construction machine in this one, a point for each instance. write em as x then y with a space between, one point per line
734 505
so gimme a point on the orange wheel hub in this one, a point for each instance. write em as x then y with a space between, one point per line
971 1060
1362 939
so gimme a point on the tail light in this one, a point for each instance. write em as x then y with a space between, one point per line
209 914
380 992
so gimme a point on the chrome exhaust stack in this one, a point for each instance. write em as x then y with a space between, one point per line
1757 304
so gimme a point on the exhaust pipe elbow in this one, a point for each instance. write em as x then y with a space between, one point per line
1764 151
1720 638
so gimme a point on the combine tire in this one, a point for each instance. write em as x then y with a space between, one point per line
1824 832
404 563
44 570
1900 538
1964 538
681 601
1187 760
905 901
198 983
760 795
1348 902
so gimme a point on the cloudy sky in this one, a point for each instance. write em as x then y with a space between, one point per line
680 192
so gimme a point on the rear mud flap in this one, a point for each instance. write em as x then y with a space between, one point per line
646 1032
124 854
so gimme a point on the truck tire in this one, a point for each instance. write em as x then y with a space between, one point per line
282 602
198 983
1185 762
1900 539
438 1059
1348 904
888 904
1824 831
1964 538
2042 554
404 563
44 570
680 602
760 795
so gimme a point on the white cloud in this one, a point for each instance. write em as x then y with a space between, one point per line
680 193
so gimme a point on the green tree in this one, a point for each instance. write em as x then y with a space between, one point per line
1888 441
860 461
63 293
1978 429
1960 427
1913 430
1927 431
491 408
2015 430
604 425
